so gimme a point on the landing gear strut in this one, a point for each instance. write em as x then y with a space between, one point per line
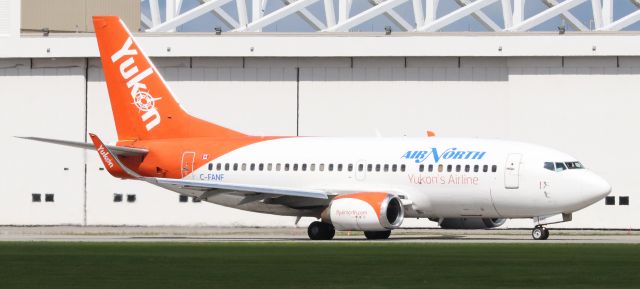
540 233
321 231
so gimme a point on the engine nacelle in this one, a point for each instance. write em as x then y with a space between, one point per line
370 211
471 223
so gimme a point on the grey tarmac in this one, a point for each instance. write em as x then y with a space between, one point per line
293 234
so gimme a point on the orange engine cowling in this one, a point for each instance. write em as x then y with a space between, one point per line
367 211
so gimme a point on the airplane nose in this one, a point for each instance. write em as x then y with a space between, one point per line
596 187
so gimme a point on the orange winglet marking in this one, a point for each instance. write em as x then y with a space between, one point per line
108 159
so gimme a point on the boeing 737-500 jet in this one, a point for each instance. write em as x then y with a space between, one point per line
347 184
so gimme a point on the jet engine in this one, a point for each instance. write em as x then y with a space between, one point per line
470 223
368 211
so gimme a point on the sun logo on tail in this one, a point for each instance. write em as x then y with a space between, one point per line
145 101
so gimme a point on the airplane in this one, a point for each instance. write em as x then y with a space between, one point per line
347 184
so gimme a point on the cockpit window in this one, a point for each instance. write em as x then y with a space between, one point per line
574 165
561 166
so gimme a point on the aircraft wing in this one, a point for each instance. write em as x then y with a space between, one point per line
116 150
228 187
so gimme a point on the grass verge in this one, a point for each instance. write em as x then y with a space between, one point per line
317 265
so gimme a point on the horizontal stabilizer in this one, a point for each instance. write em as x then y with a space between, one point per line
201 185
117 150
111 162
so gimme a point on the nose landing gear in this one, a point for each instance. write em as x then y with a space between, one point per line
540 233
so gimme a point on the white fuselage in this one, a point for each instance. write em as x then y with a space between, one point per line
435 176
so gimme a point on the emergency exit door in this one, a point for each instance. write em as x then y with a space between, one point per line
512 171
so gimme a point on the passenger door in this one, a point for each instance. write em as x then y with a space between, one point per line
512 171
187 163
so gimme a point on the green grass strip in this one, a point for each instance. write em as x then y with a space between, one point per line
317 265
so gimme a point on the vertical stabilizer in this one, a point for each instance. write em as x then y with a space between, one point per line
143 105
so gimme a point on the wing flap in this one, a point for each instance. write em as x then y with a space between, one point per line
279 191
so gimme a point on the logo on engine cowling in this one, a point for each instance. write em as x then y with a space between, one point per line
352 213
142 99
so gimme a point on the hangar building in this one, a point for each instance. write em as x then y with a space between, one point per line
567 89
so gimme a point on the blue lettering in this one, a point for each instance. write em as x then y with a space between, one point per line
450 153
458 155
478 155
211 177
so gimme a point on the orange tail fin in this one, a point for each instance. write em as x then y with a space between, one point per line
143 105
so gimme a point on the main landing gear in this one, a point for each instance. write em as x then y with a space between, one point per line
321 231
377 235
540 233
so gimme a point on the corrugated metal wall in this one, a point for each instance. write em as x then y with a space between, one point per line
583 106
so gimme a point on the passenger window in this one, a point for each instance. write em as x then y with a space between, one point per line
449 168
369 167
261 167
440 168
295 167
377 167
321 167
269 166
218 167
252 167
549 166
226 166
350 167
312 167
386 168
476 168
403 168
235 167
430 168
286 167
244 167
304 167
210 167
278 166
339 167
467 168
394 168
560 167
485 168
360 167
330 167
421 168
494 168
458 168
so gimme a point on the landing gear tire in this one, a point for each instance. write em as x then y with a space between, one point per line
321 231
540 233
377 235
546 234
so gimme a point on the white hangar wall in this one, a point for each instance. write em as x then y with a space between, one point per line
581 105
